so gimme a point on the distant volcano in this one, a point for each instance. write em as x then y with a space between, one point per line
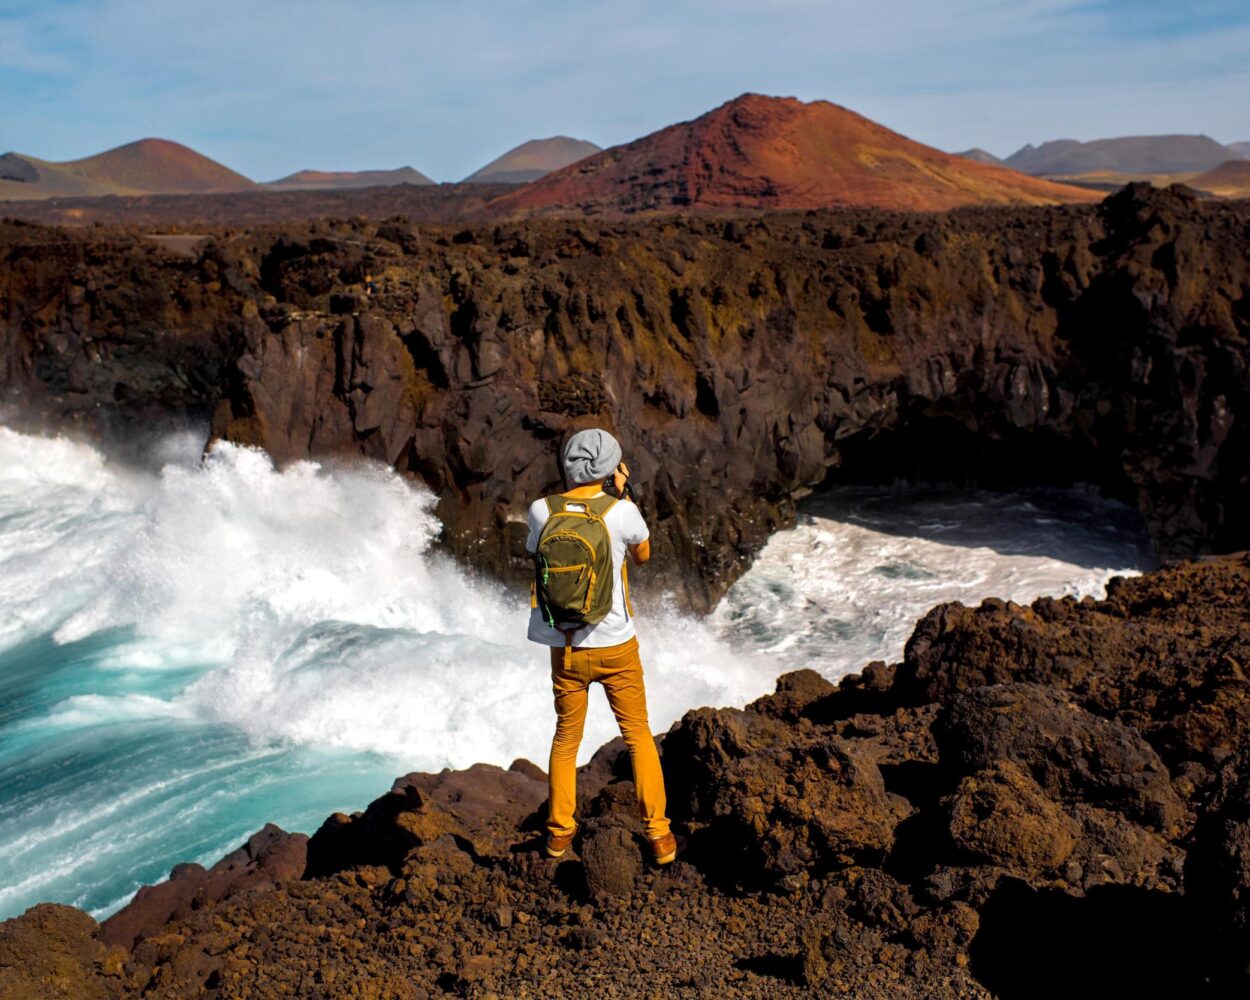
149 166
1128 155
980 156
760 152
1229 180
532 160
320 180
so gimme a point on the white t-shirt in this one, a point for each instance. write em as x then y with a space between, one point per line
626 527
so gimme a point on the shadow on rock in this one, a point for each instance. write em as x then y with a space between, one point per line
1117 941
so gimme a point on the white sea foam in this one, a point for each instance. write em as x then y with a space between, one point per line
848 583
312 599
65 518
85 710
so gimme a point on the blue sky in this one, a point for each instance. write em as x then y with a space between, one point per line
272 86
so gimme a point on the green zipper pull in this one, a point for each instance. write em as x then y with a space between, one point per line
551 619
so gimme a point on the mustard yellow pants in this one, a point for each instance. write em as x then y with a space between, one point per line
619 670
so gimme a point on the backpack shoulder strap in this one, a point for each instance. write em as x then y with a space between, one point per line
555 504
601 505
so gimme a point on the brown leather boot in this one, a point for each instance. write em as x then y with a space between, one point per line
557 844
667 848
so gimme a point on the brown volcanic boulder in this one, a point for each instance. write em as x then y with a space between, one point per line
269 857
1164 654
51 952
1072 756
1055 795
611 857
482 807
795 693
779 799
1001 816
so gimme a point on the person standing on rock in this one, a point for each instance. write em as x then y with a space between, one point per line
580 607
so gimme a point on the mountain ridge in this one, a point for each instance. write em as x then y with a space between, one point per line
1138 154
760 152
326 180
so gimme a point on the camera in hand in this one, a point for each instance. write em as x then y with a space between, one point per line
609 487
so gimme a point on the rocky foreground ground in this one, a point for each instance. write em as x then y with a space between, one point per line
1037 801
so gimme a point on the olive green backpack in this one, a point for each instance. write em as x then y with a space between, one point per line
573 564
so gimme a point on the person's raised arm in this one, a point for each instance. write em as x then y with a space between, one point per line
640 552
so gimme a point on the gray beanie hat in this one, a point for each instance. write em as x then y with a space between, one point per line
590 456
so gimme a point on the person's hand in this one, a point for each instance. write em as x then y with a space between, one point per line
619 477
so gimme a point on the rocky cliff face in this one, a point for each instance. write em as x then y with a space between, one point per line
1036 801
743 363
